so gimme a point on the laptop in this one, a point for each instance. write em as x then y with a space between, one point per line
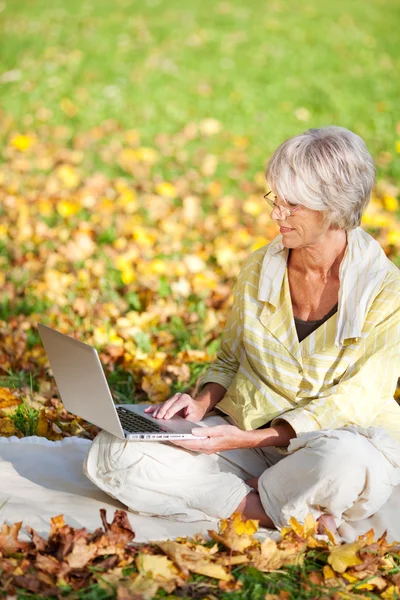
84 391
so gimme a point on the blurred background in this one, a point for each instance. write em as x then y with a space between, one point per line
134 137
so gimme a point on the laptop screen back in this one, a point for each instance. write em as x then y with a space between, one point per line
80 379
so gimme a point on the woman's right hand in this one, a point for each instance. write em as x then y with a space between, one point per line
180 404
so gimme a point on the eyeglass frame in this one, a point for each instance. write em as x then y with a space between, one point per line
282 209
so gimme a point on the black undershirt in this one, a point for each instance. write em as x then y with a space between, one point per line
304 328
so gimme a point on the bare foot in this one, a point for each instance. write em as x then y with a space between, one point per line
253 482
326 522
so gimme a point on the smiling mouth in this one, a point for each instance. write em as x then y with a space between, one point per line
286 229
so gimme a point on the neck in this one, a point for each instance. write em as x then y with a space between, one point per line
321 259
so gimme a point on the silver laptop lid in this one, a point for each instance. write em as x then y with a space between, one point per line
80 379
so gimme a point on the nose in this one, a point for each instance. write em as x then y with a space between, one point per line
277 214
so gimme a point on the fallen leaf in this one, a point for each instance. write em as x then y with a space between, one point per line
344 556
9 543
271 557
188 560
236 533
155 387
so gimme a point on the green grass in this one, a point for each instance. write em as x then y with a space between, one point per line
156 65
26 419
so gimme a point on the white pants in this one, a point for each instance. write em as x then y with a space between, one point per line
348 473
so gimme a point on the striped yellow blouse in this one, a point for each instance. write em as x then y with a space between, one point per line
345 372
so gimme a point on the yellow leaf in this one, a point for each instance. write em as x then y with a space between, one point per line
188 560
22 142
244 527
398 146
328 572
236 533
390 203
67 208
155 387
309 528
166 189
128 275
253 206
8 399
68 107
344 556
271 557
393 237
45 207
129 156
68 176
143 237
7 427
156 566
391 593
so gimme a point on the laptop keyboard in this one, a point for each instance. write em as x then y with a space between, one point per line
136 423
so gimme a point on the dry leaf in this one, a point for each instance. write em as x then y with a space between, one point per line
155 387
189 560
156 566
271 557
236 533
8 399
9 543
345 556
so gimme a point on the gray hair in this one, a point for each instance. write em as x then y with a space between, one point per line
326 169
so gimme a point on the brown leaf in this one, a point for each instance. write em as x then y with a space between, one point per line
28 582
82 553
46 563
120 530
9 543
39 543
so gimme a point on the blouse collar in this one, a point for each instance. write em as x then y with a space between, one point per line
361 274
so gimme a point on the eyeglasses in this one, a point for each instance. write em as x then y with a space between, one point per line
282 212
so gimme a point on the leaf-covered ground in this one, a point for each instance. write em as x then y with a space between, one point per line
133 140
233 563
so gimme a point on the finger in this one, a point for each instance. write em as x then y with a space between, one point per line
152 408
176 406
208 431
195 445
163 406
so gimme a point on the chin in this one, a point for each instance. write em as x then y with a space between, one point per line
290 244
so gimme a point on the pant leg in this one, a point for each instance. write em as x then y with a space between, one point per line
339 472
160 479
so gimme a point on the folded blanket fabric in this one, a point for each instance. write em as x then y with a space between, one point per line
40 479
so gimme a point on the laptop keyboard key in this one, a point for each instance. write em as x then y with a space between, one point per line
136 423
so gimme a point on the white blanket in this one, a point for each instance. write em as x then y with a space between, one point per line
40 479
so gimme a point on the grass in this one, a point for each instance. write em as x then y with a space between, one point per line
265 70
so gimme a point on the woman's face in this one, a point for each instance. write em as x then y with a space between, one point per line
304 227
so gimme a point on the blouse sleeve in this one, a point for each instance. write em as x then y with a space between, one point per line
227 361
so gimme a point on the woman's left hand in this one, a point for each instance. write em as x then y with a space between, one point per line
219 438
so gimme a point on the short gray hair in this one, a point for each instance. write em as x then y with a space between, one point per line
326 169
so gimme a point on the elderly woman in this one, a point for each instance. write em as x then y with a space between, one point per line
306 370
